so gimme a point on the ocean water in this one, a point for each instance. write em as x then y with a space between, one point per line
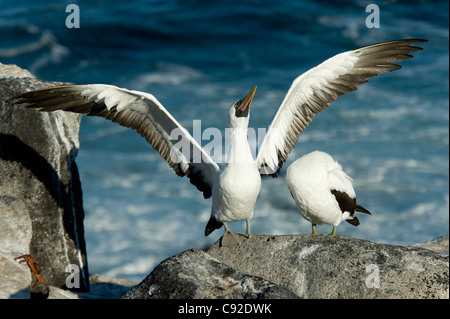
197 58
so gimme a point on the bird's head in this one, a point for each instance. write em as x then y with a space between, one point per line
239 112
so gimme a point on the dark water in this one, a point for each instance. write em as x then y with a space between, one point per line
197 58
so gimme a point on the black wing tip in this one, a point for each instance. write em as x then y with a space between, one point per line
19 99
22 101
403 43
419 40
29 99
413 40
409 41
196 179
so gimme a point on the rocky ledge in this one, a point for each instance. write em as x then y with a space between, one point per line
42 215
301 266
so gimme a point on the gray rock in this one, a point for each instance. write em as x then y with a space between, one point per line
101 287
438 245
40 192
196 275
340 267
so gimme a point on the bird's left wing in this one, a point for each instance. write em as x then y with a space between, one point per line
339 181
316 89
139 111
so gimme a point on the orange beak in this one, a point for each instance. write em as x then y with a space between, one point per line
247 100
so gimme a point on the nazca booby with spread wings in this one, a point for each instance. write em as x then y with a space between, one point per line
235 187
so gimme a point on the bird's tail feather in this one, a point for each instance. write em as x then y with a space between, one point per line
352 218
212 225
361 209
354 221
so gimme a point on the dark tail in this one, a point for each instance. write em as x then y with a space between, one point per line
361 209
354 221
212 225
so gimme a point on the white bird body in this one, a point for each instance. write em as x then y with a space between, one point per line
234 189
235 192
237 181
322 191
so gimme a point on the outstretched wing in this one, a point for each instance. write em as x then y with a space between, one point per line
316 89
139 111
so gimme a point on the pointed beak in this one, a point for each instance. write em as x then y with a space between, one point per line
247 100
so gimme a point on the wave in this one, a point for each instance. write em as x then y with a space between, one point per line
166 74
41 45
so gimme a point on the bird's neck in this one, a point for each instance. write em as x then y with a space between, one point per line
239 149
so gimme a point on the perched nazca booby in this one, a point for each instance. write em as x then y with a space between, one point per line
322 191
233 188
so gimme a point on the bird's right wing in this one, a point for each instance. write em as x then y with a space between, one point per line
139 111
314 91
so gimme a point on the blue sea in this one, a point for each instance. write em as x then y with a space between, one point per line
199 57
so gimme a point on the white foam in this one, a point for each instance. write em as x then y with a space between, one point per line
166 74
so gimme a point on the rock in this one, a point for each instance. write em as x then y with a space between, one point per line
40 192
300 266
101 287
340 267
196 275
15 236
438 245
